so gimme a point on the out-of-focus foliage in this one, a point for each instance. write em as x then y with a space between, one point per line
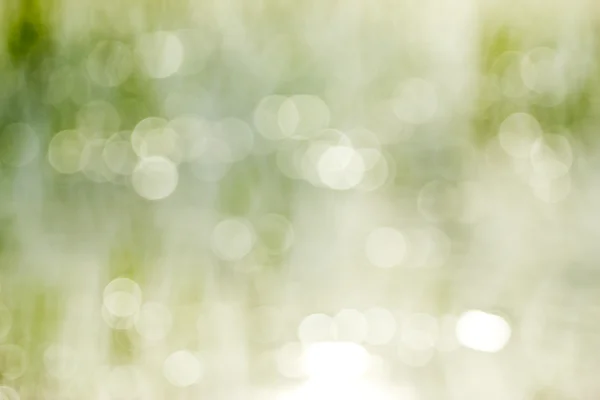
298 200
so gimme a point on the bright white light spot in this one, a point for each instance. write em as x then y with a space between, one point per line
182 368
350 326
381 326
161 53
341 168
232 239
517 134
153 322
415 101
155 178
335 360
481 331
385 247
316 328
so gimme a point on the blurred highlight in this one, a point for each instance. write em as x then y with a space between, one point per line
277 200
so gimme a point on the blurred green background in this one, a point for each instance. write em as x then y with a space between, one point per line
284 200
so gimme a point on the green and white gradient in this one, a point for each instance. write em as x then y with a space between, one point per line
299 200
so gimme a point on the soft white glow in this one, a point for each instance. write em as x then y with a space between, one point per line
122 298
378 170
8 393
238 137
267 116
447 340
345 390
551 156
419 331
316 328
155 178
341 167
192 133
415 101
517 134
155 137
415 358
121 304
232 239
161 53
543 70
153 322
429 247
381 326
67 152
481 331
385 247
118 155
95 169
551 190
289 360
288 117
335 360
124 381
302 116
182 368
350 326
60 361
